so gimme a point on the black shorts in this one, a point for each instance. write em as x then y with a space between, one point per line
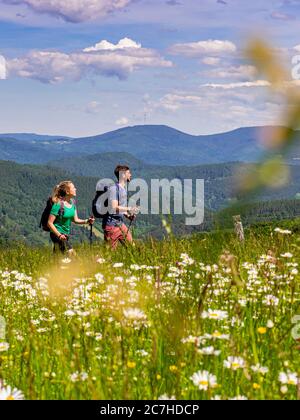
62 246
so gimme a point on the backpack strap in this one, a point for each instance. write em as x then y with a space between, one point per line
118 189
62 208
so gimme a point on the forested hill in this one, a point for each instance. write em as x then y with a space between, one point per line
154 144
24 190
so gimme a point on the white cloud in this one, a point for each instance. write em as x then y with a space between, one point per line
55 66
2 68
211 61
297 48
222 109
232 72
108 46
230 86
178 100
281 16
74 10
122 121
198 49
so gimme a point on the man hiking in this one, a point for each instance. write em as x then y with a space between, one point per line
115 230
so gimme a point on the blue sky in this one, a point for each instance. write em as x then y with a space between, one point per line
173 62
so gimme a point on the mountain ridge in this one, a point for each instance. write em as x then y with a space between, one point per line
153 144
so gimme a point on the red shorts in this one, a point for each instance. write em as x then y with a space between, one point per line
116 234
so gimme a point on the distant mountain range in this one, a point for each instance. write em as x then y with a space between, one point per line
32 137
155 145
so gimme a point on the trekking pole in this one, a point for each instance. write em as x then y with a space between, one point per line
91 232
130 225
91 235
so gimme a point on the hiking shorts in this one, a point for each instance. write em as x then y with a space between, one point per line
62 246
117 234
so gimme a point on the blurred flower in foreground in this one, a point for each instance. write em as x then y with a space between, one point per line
8 393
272 171
4 346
165 397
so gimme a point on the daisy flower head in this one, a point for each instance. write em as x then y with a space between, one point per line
134 314
234 363
214 314
204 380
9 393
4 346
66 261
283 231
288 378
166 397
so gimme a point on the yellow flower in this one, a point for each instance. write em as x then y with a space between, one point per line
262 330
182 364
131 365
158 377
173 368
256 386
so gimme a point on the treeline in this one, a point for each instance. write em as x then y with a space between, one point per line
258 212
24 190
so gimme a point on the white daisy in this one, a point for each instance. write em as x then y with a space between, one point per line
209 351
7 393
118 265
4 346
234 363
287 255
66 261
214 314
283 232
271 300
288 378
134 313
165 397
260 369
204 380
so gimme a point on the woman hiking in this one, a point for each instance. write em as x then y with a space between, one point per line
62 214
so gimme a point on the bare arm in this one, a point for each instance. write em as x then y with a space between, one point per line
118 209
81 221
53 229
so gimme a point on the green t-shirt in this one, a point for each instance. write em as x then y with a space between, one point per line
63 223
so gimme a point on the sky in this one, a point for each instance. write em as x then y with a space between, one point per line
85 67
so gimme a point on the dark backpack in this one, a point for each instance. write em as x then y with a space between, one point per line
46 213
102 212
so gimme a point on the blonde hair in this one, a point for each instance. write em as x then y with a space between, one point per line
60 191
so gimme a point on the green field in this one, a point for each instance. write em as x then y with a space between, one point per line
203 317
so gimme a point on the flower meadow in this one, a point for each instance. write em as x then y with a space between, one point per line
200 318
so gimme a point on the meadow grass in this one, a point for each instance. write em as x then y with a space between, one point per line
197 318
